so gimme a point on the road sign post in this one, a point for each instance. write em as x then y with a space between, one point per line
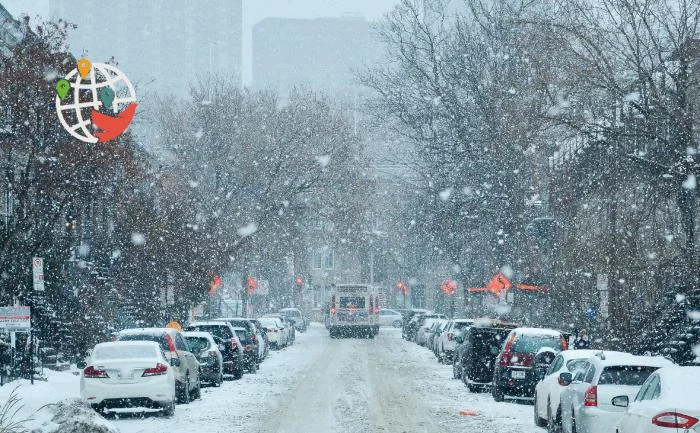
38 273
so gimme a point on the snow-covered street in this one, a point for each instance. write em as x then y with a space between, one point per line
327 385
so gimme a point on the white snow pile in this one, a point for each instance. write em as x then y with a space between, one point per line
73 416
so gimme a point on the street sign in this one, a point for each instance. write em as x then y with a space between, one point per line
15 318
38 272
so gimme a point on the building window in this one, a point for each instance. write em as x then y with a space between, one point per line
328 260
317 260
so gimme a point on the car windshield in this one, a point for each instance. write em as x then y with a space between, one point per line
197 344
160 339
123 352
625 375
530 166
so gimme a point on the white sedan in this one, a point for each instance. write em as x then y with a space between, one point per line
389 317
668 401
276 333
549 389
127 374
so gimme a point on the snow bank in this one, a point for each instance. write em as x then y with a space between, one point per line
73 416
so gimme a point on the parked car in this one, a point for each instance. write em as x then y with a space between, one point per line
389 317
446 341
260 340
178 355
513 374
424 324
233 349
250 358
667 401
475 356
276 332
208 352
294 314
547 406
586 403
128 374
433 333
410 323
288 327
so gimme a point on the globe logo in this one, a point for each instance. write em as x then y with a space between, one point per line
95 102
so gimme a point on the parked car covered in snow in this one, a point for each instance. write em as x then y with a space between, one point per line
514 374
295 315
587 402
128 374
669 400
389 317
475 356
446 341
276 333
208 353
547 406
177 352
232 350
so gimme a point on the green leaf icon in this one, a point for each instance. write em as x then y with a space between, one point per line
106 95
62 88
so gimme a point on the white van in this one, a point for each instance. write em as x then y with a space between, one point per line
354 310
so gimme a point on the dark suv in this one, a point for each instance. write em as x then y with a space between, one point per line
475 357
514 375
232 351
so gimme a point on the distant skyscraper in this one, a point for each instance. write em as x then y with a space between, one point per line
162 45
320 53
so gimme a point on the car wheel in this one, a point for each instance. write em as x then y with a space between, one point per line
185 397
238 372
219 381
553 421
539 422
169 409
497 393
198 390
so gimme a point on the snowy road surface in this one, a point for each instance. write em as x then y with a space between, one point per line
326 385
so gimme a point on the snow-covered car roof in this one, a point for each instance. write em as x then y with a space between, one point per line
128 343
544 332
209 323
614 358
198 334
678 384
463 320
578 354
290 309
148 331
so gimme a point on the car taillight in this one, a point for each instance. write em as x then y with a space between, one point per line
376 310
158 370
333 309
505 357
450 336
674 420
92 372
564 343
590 398
171 344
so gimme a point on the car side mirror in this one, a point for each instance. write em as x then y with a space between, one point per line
81 364
565 379
175 362
459 339
621 401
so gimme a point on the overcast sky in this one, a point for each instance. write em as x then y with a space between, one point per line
253 11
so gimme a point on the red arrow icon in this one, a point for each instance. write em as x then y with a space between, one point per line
111 127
